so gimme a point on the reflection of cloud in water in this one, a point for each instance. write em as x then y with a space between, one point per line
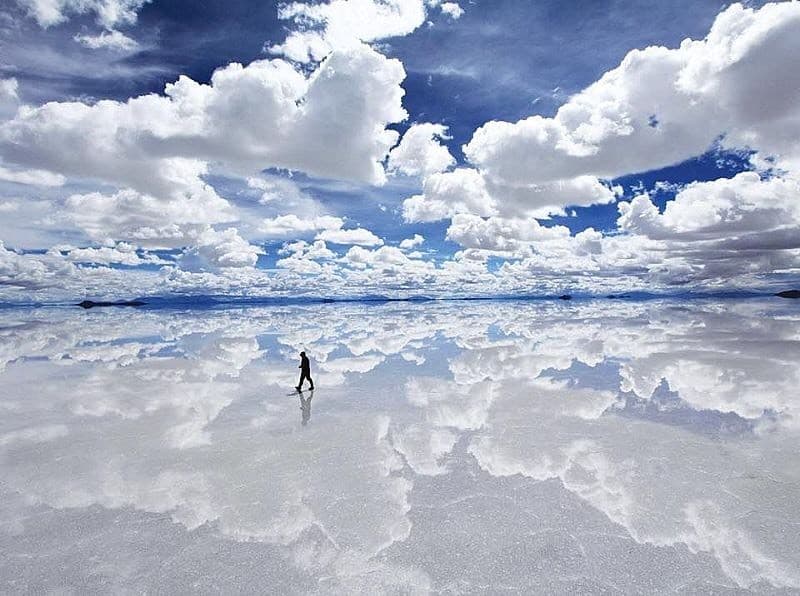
664 485
724 371
183 416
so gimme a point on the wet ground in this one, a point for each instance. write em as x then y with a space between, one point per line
456 447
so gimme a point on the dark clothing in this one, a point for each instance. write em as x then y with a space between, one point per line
305 372
303 376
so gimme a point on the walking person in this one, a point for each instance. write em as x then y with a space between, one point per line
305 372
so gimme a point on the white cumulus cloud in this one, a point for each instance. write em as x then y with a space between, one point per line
289 225
410 243
359 236
452 9
661 106
212 250
123 253
420 152
341 24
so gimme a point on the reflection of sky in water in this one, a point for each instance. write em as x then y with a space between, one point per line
451 447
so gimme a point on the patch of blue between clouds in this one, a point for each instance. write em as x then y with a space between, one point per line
712 165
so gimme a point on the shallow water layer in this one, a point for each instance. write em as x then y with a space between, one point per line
455 447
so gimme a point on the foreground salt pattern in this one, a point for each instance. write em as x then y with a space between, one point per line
597 446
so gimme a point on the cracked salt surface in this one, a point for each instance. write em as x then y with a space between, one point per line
591 447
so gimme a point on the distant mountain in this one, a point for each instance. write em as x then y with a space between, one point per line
789 294
92 303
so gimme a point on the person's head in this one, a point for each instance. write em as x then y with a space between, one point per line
302 353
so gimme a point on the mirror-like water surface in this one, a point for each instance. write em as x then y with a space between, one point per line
498 447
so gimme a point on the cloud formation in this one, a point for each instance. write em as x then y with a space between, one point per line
355 236
156 149
266 114
658 107
343 24
661 106
305 147
420 151
219 250
109 13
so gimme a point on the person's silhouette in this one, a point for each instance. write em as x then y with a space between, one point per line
305 371
305 407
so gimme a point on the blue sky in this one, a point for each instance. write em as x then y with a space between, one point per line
400 147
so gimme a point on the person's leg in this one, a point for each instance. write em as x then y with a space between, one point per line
311 381
300 384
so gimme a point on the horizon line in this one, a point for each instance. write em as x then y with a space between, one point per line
213 300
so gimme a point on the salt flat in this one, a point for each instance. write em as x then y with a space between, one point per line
451 447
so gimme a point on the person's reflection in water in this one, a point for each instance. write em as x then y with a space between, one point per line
305 407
